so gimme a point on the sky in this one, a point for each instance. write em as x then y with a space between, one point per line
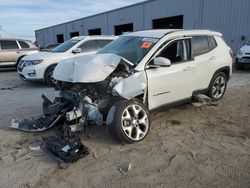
20 18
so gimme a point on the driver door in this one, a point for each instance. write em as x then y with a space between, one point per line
174 83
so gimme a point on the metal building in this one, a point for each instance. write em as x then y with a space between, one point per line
230 17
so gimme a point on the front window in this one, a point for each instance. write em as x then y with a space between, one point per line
131 48
66 45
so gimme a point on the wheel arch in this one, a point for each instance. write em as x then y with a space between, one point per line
225 70
18 59
47 68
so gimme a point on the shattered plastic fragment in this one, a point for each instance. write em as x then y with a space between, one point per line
68 150
202 100
34 148
52 113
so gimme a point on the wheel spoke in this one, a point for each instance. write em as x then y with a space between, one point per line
128 130
135 110
214 90
143 120
127 115
139 133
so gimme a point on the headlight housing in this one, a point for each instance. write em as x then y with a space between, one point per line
240 53
32 62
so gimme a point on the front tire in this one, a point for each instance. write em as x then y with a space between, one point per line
48 76
131 121
218 86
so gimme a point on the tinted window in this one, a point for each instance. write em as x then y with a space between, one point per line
23 44
212 42
9 45
102 43
65 46
174 52
200 45
88 46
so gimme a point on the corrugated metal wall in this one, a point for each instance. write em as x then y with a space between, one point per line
230 17
167 8
132 14
94 22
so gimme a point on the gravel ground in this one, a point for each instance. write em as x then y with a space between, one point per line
187 146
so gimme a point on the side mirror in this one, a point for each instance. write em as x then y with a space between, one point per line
162 62
77 50
244 43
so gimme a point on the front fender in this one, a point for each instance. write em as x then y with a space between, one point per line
132 86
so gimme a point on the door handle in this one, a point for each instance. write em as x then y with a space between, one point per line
18 52
188 69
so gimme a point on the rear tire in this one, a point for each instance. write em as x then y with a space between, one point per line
218 86
48 76
131 122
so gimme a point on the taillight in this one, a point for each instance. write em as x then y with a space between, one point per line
231 53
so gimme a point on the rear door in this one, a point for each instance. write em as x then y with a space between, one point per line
175 83
206 57
10 52
25 48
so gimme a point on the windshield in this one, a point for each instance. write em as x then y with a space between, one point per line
130 47
65 46
248 43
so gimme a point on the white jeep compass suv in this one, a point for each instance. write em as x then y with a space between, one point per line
40 66
133 75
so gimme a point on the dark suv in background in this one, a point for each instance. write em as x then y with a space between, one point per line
12 50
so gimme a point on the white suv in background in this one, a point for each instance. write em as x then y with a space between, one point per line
243 56
40 66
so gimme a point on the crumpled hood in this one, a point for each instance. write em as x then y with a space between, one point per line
41 56
86 69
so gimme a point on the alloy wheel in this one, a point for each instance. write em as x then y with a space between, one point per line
135 122
219 87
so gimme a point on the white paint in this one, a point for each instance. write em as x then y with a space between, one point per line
132 86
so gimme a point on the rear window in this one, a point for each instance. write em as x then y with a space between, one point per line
212 42
23 44
200 45
88 46
103 43
8 45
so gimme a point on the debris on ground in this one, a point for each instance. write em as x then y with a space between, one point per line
34 148
68 150
52 113
202 100
125 168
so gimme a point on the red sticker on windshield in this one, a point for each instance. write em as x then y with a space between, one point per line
146 45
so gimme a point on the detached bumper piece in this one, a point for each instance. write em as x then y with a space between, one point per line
52 113
67 150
